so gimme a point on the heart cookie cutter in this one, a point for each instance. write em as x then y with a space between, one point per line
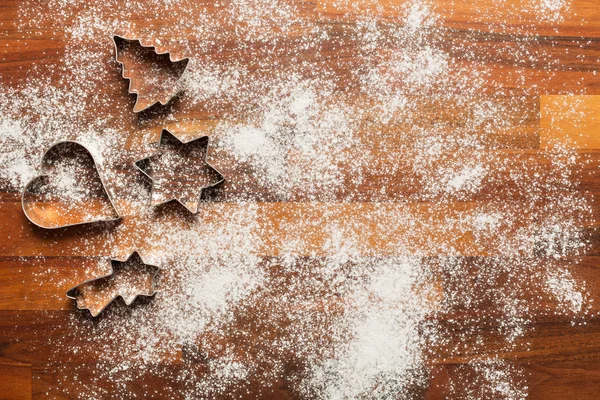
101 283
46 177
118 41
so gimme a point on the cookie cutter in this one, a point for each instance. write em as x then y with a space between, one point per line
166 133
75 292
116 40
46 177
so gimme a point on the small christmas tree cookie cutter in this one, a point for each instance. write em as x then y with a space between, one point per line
43 165
120 39
75 292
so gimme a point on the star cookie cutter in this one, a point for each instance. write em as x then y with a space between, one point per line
102 283
144 166
44 178
118 41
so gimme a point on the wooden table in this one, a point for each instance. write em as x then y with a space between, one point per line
542 71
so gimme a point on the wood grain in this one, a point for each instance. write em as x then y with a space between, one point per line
483 15
16 382
558 359
571 121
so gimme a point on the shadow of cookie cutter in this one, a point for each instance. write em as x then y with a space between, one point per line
141 169
45 176
117 38
72 293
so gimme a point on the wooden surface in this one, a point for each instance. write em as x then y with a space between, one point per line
562 360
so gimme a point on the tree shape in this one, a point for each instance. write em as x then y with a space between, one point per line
127 279
179 171
153 76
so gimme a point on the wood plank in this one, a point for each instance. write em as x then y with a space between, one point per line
486 15
577 379
549 339
517 52
434 229
552 340
151 382
46 337
15 381
570 121
42 283
502 171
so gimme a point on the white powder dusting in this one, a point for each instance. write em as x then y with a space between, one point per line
16 171
551 10
375 354
371 198
567 291
469 178
499 381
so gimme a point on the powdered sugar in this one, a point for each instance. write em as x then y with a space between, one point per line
16 170
382 318
372 195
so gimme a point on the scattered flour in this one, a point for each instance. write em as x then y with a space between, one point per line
399 122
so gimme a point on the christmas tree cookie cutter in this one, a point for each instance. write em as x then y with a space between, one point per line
118 43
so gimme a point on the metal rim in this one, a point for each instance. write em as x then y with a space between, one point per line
96 167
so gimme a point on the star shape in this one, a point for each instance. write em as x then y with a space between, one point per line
179 171
127 279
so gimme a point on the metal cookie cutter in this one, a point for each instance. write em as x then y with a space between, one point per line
148 164
37 217
107 288
118 41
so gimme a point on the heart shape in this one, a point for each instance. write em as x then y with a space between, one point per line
69 192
